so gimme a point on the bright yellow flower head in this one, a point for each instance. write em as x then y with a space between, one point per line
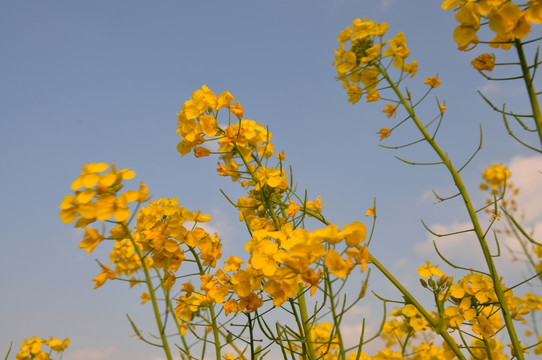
496 176
484 62
534 11
389 110
384 133
428 270
432 81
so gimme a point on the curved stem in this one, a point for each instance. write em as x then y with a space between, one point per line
499 291
437 325
530 89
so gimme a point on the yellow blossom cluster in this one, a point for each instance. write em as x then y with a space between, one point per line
282 258
280 262
471 303
508 20
364 59
32 348
360 51
496 177
97 195
160 232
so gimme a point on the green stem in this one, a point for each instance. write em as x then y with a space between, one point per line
530 89
499 291
306 324
211 308
336 323
152 294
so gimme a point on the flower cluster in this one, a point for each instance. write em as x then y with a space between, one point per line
364 60
32 348
97 195
357 60
496 177
469 306
283 258
508 20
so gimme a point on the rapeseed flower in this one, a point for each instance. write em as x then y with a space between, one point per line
484 62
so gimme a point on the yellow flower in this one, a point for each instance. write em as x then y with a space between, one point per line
484 62
372 53
224 100
251 303
354 234
384 133
411 68
432 81
237 110
106 274
31 349
427 270
316 205
68 209
200 151
58 345
354 92
369 78
89 176
483 327
509 22
91 239
450 4
230 306
389 110
457 314
346 61
208 125
534 12
442 108
373 95
398 50
337 265
109 205
266 257
496 176
331 234
370 211
292 208
469 19
145 297
233 263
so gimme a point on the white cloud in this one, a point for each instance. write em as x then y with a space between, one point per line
527 176
463 247
493 88
452 247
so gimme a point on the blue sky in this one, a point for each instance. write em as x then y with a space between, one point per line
102 81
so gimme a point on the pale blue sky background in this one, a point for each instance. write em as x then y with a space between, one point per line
86 81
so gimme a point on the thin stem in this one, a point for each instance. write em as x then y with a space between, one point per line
152 294
305 323
211 308
530 89
499 291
